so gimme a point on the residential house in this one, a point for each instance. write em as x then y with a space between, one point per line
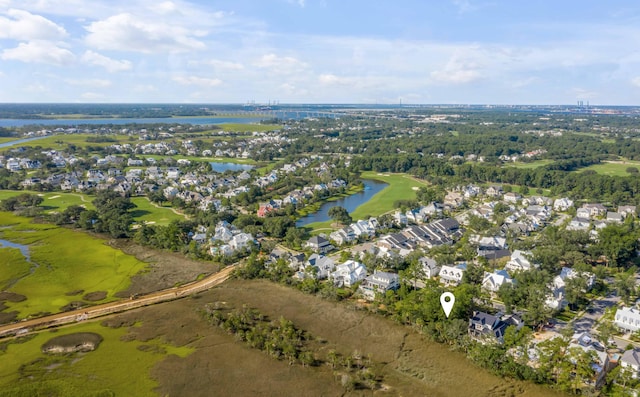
511 197
584 213
519 262
627 210
631 360
429 267
614 217
348 274
596 210
241 241
343 236
453 199
378 283
562 204
452 275
493 281
584 341
628 318
579 224
319 244
494 191
360 250
486 328
317 266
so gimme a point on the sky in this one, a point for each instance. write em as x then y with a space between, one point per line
320 51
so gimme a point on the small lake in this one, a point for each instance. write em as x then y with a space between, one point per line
222 167
24 249
350 203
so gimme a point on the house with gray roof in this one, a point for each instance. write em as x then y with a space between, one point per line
378 283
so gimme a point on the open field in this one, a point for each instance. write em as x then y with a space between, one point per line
613 168
529 165
60 142
401 187
65 265
59 201
54 201
119 365
241 127
147 212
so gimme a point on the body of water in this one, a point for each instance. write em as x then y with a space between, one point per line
24 249
116 121
350 203
19 141
222 167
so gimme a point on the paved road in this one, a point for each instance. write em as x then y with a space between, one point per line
55 320
594 311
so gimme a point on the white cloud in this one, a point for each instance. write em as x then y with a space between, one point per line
126 32
282 65
226 65
39 52
332 79
94 83
193 80
27 26
457 71
636 81
111 65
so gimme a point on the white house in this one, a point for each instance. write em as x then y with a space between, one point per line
323 265
631 360
519 262
562 204
241 241
450 275
628 318
430 267
348 273
378 283
493 281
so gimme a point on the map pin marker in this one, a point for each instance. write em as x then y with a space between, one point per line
447 300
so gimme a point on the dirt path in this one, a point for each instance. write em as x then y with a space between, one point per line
27 326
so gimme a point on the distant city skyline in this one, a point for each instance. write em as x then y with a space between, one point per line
320 51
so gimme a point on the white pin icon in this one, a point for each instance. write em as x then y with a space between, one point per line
447 300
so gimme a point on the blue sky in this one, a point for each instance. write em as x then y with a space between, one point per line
320 51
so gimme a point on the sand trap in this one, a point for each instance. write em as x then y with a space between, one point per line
54 197
415 188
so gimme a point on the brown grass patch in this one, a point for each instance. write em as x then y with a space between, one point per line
95 296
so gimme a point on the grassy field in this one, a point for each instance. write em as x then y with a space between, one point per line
13 267
241 127
65 262
60 142
118 366
57 202
401 187
145 211
530 165
613 168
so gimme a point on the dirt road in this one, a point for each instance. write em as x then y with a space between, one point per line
55 320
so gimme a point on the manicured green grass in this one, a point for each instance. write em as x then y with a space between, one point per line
613 169
117 365
4 139
145 211
67 261
401 187
531 165
60 142
54 201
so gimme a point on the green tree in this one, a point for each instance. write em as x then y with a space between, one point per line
340 214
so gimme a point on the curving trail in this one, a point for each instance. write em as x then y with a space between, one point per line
54 320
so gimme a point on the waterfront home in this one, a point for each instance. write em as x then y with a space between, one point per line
486 328
378 283
452 275
348 273
631 360
317 266
319 244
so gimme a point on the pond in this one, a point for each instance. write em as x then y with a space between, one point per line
222 167
24 249
350 203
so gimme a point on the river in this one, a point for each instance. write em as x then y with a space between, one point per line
350 203
117 121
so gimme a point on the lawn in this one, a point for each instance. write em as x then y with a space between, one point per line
117 367
241 127
145 211
401 187
618 168
58 201
60 142
65 261
530 165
